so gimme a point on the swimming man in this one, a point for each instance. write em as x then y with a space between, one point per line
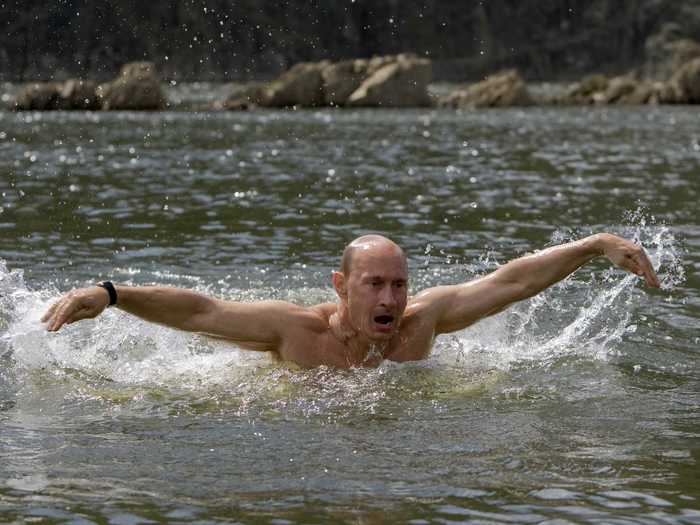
374 318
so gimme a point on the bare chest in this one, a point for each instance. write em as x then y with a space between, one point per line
409 344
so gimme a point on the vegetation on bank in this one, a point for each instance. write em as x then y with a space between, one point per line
248 39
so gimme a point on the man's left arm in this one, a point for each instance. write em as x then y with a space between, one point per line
456 307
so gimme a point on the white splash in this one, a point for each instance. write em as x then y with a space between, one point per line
586 316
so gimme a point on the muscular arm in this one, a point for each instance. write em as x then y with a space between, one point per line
456 307
260 324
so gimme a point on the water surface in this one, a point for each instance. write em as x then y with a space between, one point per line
580 405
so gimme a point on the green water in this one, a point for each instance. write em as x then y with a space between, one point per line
578 406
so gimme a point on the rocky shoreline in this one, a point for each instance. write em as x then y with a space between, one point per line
392 81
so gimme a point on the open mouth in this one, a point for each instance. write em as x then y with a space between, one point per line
384 319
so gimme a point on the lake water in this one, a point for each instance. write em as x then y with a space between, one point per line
578 406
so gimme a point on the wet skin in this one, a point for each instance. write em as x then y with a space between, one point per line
374 318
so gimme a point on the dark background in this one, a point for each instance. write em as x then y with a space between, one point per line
252 39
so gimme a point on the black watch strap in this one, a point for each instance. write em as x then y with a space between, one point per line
107 285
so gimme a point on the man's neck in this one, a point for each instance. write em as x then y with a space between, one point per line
358 348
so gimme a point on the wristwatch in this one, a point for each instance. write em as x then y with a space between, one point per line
107 285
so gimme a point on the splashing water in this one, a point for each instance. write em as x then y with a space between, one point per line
585 318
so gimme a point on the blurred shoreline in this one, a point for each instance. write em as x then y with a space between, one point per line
202 96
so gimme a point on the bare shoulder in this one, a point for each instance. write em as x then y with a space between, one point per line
450 307
319 315
429 299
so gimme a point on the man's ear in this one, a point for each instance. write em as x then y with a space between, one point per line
339 284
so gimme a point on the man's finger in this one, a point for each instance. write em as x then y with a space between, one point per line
650 274
647 270
62 314
50 312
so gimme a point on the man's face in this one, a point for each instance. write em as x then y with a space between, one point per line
376 291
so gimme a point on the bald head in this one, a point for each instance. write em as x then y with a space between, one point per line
367 243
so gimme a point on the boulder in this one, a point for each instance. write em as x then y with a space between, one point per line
587 91
684 86
341 79
503 89
388 81
246 97
399 83
377 62
136 88
79 94
301 86
47 96
646 92
619 90
40 96
665 93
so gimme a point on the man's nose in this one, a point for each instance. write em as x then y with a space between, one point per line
386 296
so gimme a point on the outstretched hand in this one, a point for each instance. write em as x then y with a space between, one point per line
630 257
84 303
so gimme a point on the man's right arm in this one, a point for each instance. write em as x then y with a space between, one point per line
259 323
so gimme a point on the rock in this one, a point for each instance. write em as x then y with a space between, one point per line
666 93
79 94
624 89
618 89
377 62
504 89
400 83
136 88
48 96
40 96
389 81
645 92
587 91
301 86
685 84
341 79
247 97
